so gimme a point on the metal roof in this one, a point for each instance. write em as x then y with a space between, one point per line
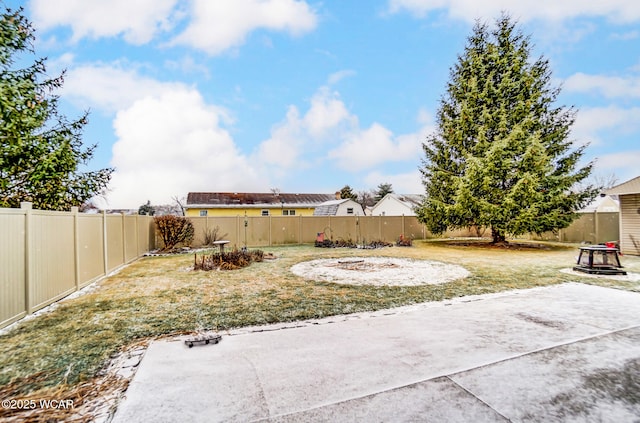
330 208
254 199
632 186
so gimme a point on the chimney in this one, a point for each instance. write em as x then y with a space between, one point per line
338 195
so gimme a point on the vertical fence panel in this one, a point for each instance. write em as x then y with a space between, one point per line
52 257
284 230
413 229
146 234
90 248
13 302
115 243
258 231
311 226
131 238
200 228
607 226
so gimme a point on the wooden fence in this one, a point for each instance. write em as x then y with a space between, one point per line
46 255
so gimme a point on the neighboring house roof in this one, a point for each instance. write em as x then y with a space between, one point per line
632 186
225 200
330 208
410 201
602 203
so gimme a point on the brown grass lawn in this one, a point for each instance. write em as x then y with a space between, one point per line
60 354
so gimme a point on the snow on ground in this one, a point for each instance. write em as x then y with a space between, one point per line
379 271
629 277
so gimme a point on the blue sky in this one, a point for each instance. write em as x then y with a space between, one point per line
309 96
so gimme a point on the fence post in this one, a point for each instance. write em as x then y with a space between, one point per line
124 240
76 246
27 207
238 228
137 229
104 242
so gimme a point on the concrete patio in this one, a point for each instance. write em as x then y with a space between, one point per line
567 353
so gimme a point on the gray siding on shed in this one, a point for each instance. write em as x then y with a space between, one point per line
630 224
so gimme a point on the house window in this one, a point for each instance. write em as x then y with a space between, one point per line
203 212
288 212
350 210
265 213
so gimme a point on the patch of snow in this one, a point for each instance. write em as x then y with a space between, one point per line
380 271
629 277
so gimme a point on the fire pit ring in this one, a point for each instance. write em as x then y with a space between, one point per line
388 271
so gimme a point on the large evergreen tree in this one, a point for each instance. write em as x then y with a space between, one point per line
501 157
40 150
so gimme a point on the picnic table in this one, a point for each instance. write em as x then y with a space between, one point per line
221 244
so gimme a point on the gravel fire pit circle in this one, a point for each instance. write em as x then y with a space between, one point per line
379 271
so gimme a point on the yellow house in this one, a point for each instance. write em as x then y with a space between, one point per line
253 204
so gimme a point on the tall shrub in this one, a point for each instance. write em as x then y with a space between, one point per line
174 230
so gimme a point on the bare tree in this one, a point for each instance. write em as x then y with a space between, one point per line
605 181
179 202
366 198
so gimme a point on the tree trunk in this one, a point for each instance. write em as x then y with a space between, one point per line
498 236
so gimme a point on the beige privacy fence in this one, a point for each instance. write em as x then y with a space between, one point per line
594 228
256 231
45 255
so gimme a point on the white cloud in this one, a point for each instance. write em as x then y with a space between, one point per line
300 141
219 25
624 165
365 149
137 21
284 146
626 36
110 88
336 77
326 120
403 183
327 112
607 86
618 160
524 10
591 122
188 66
173 143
